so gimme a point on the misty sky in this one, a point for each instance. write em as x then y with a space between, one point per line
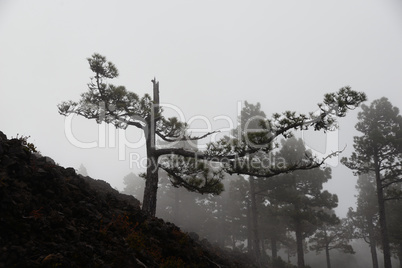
209 56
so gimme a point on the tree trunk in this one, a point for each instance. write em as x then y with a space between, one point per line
249 229
384 229
381 213
400 255
233 242
373 247
263 252
152 178
151 187
274 249
299 244
327 256
374 258
256 240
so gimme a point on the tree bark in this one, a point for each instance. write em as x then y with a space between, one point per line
383 228
151 187
327 256
372 244
152 178
381 213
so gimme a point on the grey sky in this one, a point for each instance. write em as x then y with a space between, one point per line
207 55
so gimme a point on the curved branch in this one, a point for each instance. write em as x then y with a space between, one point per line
271 172
167 137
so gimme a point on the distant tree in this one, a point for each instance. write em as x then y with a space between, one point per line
170 198
82 170
329 237
255 138
238 197
210 216
220 219
247 151
181 207
393 195
133 185
250 125
275 227
378 150
364 221
301 195
394 214
223 220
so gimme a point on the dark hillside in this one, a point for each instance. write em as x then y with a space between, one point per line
52 217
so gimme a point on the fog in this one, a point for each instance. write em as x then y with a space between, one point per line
209 57
215 218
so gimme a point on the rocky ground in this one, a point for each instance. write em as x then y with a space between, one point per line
52 217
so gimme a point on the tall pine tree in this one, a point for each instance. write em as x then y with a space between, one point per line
301 196
378 150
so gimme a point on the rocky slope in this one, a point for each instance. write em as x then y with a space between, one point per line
52 217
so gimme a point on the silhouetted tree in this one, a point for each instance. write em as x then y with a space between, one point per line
238 198
394 216
256 135
364 221
274 227
301 195
186 168
133 185
378 150
82 170
115 105
332 236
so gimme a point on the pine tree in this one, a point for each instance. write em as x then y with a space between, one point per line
115 105
133 185
364 221
82 170
394 217
105 102
301 196
379 151
332 236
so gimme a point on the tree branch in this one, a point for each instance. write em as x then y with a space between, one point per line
209 186
270 172
167 138
390 183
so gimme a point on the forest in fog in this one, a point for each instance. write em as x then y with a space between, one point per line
265 214
268 129
291 214
262 190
